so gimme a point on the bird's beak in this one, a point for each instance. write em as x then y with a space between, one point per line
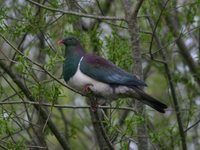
60 42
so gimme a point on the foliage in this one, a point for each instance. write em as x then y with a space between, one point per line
28 48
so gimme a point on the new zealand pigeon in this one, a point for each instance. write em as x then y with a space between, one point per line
90 73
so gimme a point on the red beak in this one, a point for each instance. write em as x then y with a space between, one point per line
60 42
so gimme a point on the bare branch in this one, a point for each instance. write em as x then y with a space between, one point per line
66 106
196 123
154 29
137 8
78 14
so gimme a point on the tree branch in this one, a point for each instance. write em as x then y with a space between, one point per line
137 8
197 122
43 113
172 88
78 14
155 27
66 106
102 137
133 28
172 23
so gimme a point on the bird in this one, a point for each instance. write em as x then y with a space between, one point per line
90 73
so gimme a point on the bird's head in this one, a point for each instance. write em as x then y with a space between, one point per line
69 41
72 46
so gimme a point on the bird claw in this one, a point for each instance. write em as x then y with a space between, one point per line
86 89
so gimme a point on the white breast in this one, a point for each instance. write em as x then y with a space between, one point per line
79 80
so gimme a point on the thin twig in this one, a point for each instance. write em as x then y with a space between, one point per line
65 106
77 13
154 29
192 126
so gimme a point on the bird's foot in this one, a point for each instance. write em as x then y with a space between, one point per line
86 89
94 107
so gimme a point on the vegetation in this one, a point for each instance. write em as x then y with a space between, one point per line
158 40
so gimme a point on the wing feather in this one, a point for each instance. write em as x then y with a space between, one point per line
105 71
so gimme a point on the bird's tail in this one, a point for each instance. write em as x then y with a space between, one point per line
150 101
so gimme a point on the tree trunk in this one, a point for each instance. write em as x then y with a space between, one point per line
131 18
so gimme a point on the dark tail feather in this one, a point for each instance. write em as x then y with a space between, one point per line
149 100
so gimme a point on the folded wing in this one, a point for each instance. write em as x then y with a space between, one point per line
103 70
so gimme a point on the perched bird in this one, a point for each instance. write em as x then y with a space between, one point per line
90 73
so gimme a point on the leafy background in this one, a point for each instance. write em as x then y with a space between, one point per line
169 36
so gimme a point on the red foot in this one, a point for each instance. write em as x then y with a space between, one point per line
86 89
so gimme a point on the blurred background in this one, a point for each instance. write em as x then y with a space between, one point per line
38 111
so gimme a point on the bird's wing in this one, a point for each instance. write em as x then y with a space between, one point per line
103 70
